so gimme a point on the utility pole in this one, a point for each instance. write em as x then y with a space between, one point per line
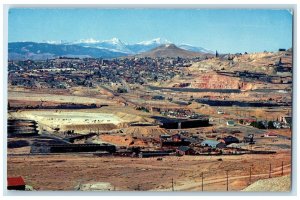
250 175
172 185
227 180
202 181
270 170
282 168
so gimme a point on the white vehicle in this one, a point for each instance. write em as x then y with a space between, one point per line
220 112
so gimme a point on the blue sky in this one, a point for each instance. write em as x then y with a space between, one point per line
228 31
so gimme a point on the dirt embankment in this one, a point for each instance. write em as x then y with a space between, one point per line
212 80
216 81
78 128
49 98
132 117
279 184
123 140
145 131
135 136
81 120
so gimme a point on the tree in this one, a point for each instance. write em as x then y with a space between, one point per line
271 125
258 125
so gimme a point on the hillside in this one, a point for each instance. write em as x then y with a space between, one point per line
171 51
264 62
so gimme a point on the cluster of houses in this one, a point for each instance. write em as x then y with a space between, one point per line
179 113
287 123
283 73
193 145
282 122
88 72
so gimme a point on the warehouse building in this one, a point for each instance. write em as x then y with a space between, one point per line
177 123
185 150
213 144
67 148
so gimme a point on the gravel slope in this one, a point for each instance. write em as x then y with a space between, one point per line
280 184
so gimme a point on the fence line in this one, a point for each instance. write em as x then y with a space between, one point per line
272 172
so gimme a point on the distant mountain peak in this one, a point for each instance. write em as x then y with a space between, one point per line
154 41
113 40
195 49
89 41
54 41
95 41
169 45
171 51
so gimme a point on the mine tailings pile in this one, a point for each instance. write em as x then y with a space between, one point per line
240 103
21 128
196 89
60 106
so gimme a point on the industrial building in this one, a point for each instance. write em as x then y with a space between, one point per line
67 148
213 144
21 128
147 154
184 150
229 140
176 123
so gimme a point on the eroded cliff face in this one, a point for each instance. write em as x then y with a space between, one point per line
215 81
212 80
204 74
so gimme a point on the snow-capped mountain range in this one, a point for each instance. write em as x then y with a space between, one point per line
89 48
116 45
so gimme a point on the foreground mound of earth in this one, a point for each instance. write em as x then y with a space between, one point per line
146 131
280 184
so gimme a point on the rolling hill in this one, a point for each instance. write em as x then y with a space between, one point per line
40 51
171 51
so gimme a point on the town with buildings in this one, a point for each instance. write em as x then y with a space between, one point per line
166 118
148 108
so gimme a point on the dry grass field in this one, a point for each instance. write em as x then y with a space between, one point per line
127 174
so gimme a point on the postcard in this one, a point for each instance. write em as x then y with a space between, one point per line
148 99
